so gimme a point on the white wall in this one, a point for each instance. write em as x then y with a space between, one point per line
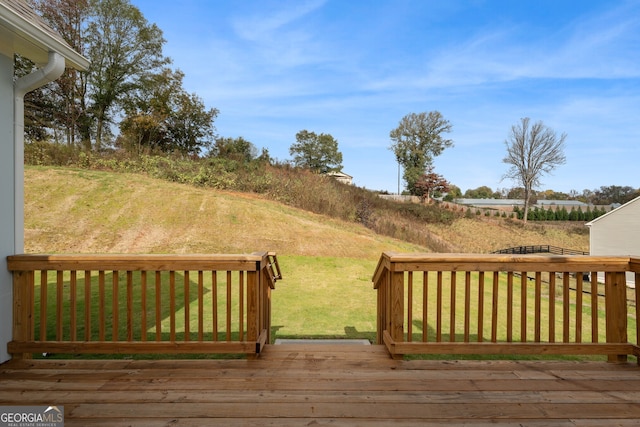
7 211
617 233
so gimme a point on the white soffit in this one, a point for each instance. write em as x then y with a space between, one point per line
22 31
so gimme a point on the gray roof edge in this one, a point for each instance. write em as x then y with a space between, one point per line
632 201
29 25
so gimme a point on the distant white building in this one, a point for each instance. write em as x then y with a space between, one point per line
341 177
617 232
509 204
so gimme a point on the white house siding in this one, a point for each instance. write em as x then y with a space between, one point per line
617 232
7 212
21 31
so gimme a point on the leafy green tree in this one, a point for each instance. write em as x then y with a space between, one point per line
122 47
482 192
238 149
318 153
562 214
416 141
162 116
532 150
610 194
453 193
66 96
191 125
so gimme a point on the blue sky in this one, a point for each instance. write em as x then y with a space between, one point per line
354 68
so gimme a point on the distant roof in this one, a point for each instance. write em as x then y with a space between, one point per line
561 203
518 202
338 174
490 202
24 32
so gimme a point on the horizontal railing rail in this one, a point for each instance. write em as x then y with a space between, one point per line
508 304
135 304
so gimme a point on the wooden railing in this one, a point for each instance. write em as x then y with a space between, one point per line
508 304
135 304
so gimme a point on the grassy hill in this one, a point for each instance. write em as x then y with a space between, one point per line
75 210
84 211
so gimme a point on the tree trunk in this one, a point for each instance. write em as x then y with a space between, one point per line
527 195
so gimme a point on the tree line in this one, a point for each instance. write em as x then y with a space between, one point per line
560 214
130 85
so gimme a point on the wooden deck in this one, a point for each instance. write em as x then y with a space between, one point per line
339 385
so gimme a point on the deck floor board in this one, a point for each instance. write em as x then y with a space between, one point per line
338 385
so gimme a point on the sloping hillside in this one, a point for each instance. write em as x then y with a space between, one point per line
68 210
80 211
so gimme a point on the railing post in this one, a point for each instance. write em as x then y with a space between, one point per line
23 301
616 311
383 302
396 304
252 305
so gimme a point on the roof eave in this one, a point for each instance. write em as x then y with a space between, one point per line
35 43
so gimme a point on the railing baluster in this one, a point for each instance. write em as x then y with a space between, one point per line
552 307
578 307
143 303
439 308
425 306
481 306
494 307
214 304
129 306
523 305
467 305
637 302
87 305
44 299
566 301
410 306
510 306
538 306
101 306
594 308
200 305
229 305
172 306
158 310
187 303
115 308
241 306
59 305
73 305
452 308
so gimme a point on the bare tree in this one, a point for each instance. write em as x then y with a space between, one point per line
532 150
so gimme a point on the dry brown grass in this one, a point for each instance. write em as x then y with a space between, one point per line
80 211
484 235
86 211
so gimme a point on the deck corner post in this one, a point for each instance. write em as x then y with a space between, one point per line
396 304
22 309
616 311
